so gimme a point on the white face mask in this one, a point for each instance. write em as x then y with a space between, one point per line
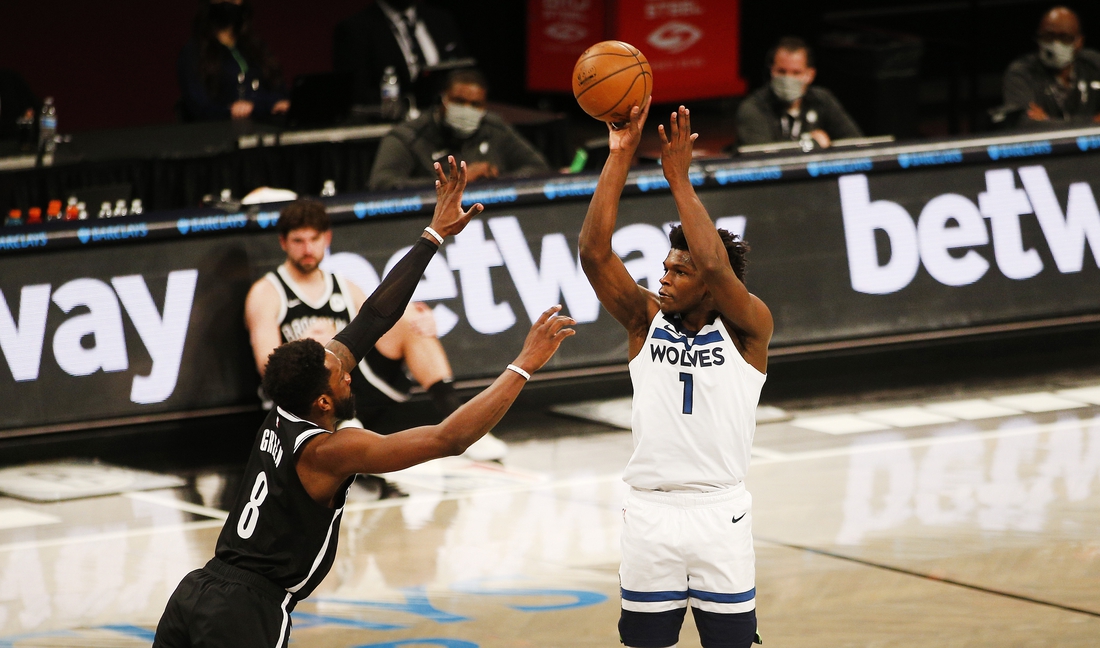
463 120
1057 55
788 88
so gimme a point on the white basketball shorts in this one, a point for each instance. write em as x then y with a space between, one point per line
681 547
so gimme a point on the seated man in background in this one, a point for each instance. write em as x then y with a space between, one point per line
225 71
461 127
406 34
1061 81
301 300
790 108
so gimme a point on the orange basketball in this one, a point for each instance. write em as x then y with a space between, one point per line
610 78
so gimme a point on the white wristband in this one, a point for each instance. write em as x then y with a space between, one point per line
434 234
512 367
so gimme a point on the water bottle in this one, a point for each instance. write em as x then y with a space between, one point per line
47 131
391 94
329 190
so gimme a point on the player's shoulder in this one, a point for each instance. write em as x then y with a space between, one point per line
263 292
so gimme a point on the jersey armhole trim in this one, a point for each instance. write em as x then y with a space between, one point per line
282 298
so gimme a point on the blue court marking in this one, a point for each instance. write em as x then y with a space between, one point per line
136 632
307 620
652 597
581 598
445 643
714 597
416 602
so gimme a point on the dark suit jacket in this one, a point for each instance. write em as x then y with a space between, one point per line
364 44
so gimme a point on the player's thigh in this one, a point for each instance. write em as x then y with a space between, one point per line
652 575
651 556
721 562
173 627
231 615
717 630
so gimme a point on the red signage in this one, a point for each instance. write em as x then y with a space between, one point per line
693 45
557 32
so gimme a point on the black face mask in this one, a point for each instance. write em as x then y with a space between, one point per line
226 14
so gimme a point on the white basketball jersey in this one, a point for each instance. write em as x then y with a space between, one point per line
694 412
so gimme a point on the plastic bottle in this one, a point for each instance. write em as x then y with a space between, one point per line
135 207
329 190
15 217
47 131
104 210
53 210
72 212
391 94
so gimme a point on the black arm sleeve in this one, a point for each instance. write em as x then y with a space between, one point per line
387 303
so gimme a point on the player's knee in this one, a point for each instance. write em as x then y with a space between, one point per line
718 630
651 629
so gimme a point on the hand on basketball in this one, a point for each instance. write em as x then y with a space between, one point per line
449 219
626 137
543 340
676 145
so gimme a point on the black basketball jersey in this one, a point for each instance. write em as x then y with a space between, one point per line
380 380
275 529
298 314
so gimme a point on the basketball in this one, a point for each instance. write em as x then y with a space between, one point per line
610 78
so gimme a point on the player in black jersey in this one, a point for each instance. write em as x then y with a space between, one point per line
279 540
301 299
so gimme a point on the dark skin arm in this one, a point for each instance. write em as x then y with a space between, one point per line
328 460
743 313
448 219
630 304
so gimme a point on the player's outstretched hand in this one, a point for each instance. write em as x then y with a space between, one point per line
449 219
543 340
676 145
625 137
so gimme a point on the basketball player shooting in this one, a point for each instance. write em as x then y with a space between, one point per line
698 355
279 540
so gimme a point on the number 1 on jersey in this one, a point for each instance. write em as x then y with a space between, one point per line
689 389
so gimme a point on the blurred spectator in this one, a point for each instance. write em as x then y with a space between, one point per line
225 70
17 103
790 108
1060 81
461 127
406 34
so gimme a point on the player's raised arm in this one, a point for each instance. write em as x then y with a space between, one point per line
328 461
388 301
732 299
627 302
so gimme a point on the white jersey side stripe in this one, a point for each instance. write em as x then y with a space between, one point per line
282 295
320 554
286 620
381 385
305 436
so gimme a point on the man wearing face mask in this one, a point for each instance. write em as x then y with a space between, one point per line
459 126
790 108
1061 81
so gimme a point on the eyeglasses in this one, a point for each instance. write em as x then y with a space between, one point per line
1062 37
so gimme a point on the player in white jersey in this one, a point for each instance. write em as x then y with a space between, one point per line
698 351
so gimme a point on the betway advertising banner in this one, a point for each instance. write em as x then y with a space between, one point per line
156 326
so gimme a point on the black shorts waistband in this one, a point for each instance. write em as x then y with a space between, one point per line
245 577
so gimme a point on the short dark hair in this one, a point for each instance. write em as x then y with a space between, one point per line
303 212
296 376
735 246
792 44
472 76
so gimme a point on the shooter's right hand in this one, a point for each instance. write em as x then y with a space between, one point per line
449 219
543 340
624 138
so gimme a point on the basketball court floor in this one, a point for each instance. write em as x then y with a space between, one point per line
964 519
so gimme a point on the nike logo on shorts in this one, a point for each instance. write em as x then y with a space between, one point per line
738 519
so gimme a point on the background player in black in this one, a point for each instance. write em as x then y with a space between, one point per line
279 540
300 299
